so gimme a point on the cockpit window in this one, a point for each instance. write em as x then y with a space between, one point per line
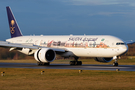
120 43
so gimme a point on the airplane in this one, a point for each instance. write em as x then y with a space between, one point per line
104 48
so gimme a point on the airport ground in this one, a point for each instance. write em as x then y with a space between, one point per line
129 61
63 79
59 79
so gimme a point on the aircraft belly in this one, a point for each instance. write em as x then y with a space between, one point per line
93 52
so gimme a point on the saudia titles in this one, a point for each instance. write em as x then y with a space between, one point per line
12 27
82 39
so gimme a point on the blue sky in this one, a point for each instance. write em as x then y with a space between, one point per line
65 17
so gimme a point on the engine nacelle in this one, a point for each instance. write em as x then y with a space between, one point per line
45 55
101 59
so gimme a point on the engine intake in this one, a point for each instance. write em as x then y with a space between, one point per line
101 59
45 55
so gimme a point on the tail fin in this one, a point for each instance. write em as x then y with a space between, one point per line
14 28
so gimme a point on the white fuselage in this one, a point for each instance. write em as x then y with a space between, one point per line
81 46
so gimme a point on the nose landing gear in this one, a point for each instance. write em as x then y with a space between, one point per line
115 63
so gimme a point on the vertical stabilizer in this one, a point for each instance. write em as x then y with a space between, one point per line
13 26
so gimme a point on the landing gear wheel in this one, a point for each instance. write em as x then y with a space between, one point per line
46 64
39 63
115 63
79 63
72 63
43 64
75 62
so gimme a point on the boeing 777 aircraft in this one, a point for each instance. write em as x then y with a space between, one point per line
104 48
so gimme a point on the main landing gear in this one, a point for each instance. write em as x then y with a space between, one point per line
76 62
115 63
43 64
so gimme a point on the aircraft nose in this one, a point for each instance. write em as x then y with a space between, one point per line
125 49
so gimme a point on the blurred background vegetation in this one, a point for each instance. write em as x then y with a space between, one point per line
5 54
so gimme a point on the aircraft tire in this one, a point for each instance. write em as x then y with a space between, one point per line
79 62
72 62
39 63
75 62
46 64
115 64
43 64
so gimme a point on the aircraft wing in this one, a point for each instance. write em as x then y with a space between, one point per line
30 46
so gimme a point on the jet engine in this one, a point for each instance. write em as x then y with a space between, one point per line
45 55
101 59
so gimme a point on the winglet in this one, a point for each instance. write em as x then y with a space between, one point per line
13 26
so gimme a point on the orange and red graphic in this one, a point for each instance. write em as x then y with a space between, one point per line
102 45
53 43
49 44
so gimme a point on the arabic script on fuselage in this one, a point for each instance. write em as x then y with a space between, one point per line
82 39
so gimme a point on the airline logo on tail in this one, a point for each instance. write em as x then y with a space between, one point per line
12 27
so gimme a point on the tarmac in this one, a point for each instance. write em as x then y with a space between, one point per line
67 66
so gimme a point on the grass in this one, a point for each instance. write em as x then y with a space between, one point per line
31 79
59 79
